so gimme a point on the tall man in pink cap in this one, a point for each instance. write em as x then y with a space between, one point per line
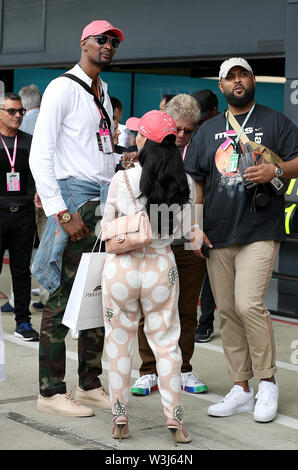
72 160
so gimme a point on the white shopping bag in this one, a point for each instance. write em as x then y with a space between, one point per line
2 354
84 307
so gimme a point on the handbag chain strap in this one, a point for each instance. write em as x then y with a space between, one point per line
130 190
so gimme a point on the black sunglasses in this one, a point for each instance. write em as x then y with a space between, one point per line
13 111
103 39
186 130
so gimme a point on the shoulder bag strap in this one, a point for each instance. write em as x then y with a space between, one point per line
89 90
245 140
130 190
232 120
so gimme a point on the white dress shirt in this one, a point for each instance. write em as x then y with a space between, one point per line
65 143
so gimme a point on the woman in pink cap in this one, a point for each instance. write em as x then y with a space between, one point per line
145 280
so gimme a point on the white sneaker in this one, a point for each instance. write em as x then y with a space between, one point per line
267 401
236 401
145 385
191 384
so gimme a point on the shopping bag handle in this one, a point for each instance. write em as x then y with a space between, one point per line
99 235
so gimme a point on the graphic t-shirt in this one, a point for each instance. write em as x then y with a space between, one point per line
27 186
228 217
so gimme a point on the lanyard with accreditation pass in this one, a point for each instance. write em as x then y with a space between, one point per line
234 158
12 178
104 137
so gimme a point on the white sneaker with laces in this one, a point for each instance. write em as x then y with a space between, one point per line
145 385
236 401
267 401
191 384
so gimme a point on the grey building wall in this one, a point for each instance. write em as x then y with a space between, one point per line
36 32
47 33
291 72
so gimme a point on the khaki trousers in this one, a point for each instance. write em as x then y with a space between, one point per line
239 276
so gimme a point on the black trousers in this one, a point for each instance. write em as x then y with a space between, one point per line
191 269
207 307
17 232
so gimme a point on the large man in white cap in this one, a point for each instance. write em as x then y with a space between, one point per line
243 225
72 162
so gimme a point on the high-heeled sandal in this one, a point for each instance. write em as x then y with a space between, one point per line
120 428
178 431
176 427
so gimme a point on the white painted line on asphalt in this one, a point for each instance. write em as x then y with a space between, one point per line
69 354
211 347
210 397
286 320
279 364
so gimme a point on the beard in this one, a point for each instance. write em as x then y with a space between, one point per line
240 101
101 61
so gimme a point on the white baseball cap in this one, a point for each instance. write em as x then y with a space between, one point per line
233 62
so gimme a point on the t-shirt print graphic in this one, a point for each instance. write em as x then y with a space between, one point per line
231 182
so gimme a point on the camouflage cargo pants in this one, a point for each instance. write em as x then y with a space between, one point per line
52 335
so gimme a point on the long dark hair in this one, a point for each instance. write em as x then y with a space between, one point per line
163 179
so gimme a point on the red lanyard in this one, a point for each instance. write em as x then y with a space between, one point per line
13 159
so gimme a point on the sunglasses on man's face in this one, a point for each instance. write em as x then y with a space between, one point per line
102 39
186 130
13 111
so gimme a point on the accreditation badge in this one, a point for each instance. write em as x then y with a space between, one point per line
104 140
13 181
233 163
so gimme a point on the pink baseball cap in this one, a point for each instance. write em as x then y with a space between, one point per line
100 26
155 125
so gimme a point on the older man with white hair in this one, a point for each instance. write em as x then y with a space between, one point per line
185 111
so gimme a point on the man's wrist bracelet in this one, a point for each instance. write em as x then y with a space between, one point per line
64 216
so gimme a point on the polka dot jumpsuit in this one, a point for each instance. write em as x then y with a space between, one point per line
142 280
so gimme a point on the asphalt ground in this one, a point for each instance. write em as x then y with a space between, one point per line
23 428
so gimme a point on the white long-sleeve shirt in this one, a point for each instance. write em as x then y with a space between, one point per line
65 142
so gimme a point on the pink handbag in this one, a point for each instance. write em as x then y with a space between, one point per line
128 232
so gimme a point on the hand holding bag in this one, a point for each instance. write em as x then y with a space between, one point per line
262 153
84 307
266 153
128 232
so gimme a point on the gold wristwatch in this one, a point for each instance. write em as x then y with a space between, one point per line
64 217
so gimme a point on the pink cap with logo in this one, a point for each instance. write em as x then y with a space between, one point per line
99 27
155 125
